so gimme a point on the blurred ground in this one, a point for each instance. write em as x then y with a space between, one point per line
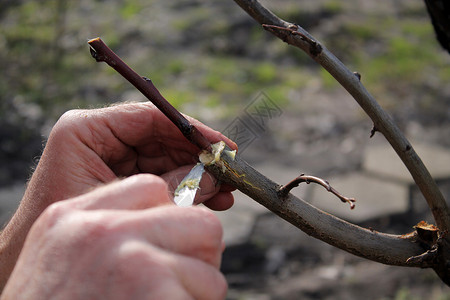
212 61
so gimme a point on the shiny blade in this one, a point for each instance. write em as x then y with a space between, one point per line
185 193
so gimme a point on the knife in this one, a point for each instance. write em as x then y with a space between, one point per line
184 195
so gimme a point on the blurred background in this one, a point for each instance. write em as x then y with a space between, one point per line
213 62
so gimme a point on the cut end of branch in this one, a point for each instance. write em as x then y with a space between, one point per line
97 44
284 190
94 40
102 53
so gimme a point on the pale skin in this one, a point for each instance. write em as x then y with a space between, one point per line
125 239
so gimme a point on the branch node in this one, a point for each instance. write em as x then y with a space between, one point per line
284 190
373 131
95 55
314 47
358 75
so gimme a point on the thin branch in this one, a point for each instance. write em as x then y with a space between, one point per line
314 47
102 53
284 190
382 121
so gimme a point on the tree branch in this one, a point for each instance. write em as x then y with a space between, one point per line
102 53
373 245
297 36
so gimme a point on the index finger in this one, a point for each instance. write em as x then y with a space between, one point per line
132 193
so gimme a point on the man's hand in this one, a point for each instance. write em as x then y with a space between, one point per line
91 147
110 244
88 148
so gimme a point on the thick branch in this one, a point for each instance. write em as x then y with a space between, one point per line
373 245
382 121
102 53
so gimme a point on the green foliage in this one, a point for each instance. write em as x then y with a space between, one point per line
328 81
333 6
404 60
45 58
265 73
178 97
129 9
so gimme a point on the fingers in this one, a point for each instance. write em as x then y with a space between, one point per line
201 280
192 231
208 186
212 135
210 193
227 188
135 192
221 201
135 123
134 137
178 276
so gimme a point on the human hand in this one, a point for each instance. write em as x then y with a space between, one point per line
91 147
110 244
87 148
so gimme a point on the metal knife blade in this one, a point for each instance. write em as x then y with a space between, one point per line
185 193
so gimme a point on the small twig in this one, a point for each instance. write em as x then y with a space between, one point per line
284 190
102 53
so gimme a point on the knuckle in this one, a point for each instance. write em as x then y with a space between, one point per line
132 251
85 227
68 118
68 122
220 284
210 228
148 181
211 223
52 214
153 187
